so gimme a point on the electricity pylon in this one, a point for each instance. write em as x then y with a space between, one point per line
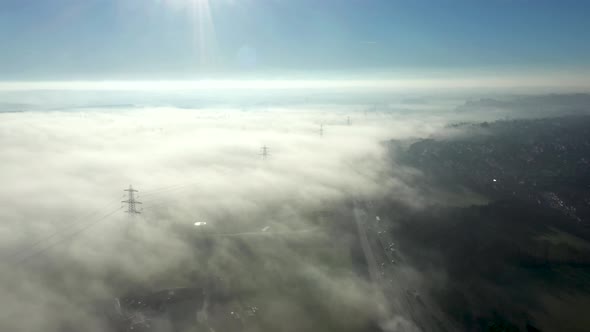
321 130
131 202
348 121
264 152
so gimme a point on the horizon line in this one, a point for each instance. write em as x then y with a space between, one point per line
434 83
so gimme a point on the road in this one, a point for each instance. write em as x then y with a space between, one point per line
408 307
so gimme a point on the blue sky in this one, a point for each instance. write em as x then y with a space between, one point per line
169 39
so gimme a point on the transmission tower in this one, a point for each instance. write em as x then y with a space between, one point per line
321 130
131 202
348 121
264 152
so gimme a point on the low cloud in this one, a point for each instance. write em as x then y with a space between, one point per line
279 229
66 242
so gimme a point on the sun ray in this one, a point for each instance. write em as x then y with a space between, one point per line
204 34
204 40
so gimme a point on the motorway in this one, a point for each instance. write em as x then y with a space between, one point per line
408 307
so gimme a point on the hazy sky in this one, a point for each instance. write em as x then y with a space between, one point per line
177 39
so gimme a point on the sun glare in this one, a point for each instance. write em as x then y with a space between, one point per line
204 41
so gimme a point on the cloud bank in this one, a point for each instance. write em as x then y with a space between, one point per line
279 232
67 243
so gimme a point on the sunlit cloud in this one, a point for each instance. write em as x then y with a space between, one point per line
563 82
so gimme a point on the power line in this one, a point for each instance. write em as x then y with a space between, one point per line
31 252
169 189
308 230
166 188
70 236
58 231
